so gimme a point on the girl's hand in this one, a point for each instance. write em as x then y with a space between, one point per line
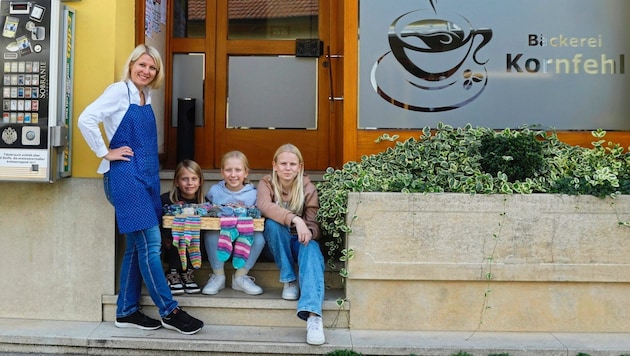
119 154
303 232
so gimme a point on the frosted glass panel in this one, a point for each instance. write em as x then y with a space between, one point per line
188 78
272 92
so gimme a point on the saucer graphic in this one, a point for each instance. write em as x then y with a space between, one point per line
397 86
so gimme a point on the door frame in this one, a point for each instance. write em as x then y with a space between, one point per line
320 148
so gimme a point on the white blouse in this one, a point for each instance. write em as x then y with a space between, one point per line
109 108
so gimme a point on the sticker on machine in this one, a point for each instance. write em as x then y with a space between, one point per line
23 163
23 157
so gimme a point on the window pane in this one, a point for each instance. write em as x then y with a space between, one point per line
188 79
189 19
272 92
272 19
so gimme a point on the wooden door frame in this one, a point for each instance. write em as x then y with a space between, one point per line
331 22
314 153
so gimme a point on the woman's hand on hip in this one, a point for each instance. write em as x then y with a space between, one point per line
119 154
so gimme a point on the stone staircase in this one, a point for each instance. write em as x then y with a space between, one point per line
230 307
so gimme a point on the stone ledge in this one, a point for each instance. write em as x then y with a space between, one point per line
557 263
429 271
453 236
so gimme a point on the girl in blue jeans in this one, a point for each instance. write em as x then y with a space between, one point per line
288 200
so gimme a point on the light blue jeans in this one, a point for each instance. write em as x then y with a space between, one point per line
286 251
141 261
211 242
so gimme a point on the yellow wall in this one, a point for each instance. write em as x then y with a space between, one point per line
105 35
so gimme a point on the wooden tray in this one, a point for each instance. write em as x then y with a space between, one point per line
208 223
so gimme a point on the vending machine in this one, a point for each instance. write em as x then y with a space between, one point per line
37 55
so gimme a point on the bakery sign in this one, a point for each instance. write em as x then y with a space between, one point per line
496 63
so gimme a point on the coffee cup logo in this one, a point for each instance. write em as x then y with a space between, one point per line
434 48
436 51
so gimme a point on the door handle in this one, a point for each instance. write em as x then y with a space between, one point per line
332 96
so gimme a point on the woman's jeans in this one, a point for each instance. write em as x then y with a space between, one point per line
211 242
286 251
141 261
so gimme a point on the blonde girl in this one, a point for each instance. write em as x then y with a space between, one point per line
288 200
234 190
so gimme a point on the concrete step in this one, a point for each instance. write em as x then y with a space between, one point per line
265 274
230 307
39 337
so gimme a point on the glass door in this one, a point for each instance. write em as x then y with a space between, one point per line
266 77
271 72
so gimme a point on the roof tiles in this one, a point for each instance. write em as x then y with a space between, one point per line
257 9
261 9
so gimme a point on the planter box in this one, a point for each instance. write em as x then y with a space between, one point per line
559 263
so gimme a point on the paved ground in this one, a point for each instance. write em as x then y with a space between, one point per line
39 337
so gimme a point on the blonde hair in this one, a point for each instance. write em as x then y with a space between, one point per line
153 53
296 203
240 156
193 167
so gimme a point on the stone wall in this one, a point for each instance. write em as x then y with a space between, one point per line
558 263
58 249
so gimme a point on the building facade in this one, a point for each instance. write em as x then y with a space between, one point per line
59 238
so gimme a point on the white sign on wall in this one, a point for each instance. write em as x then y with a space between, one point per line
556 64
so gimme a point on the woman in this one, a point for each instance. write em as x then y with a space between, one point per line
288 200
131 180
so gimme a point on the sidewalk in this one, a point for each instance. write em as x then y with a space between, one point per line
103 338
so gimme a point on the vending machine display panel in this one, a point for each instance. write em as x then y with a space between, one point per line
37 54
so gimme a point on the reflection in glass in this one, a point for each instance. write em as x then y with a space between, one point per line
189 18
272 19
272 92
188 79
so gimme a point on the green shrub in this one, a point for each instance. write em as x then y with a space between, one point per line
475 161
462 353
343 353
519 156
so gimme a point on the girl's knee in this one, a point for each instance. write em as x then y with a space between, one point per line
313 245
272 229
259 239
271 225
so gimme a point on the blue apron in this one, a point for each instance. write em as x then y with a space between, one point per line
135 185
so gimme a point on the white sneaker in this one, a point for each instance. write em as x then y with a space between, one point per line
214 285
290 291
315 330
246 284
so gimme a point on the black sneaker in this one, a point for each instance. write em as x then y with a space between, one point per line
190 286
138 320
175 283
179 320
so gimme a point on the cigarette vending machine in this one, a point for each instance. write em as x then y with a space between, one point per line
37 47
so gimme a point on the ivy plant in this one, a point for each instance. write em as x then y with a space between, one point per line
474 160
